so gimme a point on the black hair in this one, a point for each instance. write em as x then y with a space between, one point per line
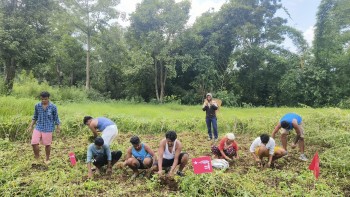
135 140
45 94
99 141
171 135
264 138
86 118
285 124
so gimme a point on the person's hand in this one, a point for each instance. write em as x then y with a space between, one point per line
229 159
90 174
171 173
58 130
160 172
30 128
237 157
109 170
293 146
269 164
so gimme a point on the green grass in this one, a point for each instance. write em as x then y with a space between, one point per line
326 131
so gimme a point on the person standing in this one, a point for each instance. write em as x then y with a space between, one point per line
45 118
108 128
210 107
289 122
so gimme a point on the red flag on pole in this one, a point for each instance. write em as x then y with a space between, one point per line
315 165
202 165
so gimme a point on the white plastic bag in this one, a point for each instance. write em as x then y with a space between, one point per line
219 163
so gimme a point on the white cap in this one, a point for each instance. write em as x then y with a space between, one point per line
230 136
209 94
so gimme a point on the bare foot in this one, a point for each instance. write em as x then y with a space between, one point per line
293 146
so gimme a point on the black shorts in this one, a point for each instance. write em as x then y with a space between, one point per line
141 166
101 160
169 162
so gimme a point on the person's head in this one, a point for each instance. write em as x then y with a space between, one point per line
209 96
285 125
170 137
99 142
87 120
264 138
135 141
230 137
44 97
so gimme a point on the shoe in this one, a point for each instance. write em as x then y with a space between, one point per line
209 138
180 173
216 139
303 157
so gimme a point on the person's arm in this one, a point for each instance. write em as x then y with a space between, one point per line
205 105
88 161
214 105
128 155
160 156
252 149
276 130
109 158
57 120
176 157
93 126
235 146
35 117
297 130
151 152
271 149
221 149
89 170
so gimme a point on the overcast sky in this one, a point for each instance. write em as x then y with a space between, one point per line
302 12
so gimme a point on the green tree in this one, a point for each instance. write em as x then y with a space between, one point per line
155 29
88 16
23 31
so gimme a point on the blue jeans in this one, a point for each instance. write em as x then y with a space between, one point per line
212 121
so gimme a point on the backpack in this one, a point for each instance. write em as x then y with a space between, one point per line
219 163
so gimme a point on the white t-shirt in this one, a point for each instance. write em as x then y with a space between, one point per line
270 145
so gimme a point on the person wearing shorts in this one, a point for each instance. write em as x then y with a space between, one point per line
264 146
45 118
99 154
170 155
139 156
287 123
108 128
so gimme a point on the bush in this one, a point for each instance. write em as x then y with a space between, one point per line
228 99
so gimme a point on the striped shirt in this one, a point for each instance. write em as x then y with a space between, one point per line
46 119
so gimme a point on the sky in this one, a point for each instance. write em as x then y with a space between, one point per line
302 13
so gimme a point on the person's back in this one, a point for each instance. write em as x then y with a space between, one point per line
103 122
289 119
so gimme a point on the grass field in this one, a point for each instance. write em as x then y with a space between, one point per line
327 131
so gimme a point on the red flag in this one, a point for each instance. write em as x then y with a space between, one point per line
202 165
315 165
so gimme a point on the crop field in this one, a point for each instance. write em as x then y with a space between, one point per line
327 131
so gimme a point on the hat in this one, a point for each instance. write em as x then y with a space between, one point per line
209 94
230 136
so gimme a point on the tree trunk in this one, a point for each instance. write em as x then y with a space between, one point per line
10 73
87 85
156 77
162 82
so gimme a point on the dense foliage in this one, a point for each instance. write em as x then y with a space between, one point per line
236 52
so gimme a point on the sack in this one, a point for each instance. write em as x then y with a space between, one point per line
219 163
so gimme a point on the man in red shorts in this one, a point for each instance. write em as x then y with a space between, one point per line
45 117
